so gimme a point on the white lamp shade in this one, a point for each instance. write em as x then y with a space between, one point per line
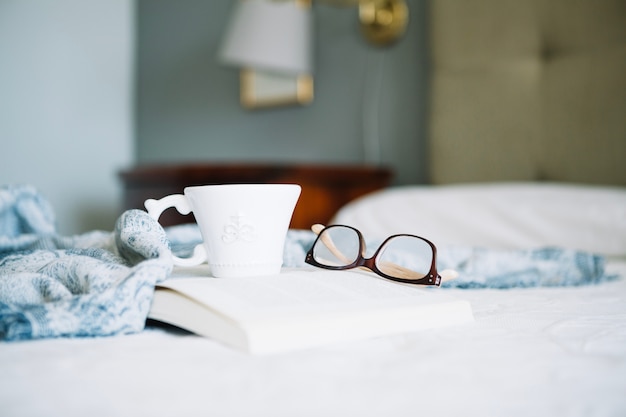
269 35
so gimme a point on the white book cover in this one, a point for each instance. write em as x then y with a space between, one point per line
300 308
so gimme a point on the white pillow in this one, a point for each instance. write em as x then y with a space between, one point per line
499 215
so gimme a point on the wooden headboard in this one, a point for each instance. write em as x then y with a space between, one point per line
528 90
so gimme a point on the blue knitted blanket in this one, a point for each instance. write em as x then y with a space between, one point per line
101 283
95 284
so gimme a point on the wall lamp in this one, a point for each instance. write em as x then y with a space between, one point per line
272 41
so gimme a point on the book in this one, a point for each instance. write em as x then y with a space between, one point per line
299 308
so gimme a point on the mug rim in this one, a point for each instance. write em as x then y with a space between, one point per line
245 185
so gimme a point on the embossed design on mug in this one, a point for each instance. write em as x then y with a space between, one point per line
238 230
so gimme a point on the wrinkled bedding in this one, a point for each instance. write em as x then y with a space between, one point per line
539 346
101 284
558 351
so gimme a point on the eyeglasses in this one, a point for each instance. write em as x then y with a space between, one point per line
402 258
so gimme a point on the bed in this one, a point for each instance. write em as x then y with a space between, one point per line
539 346
543 348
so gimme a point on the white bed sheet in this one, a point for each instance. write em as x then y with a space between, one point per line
531 352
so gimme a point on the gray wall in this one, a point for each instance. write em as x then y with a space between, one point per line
68 125
66 73
188 108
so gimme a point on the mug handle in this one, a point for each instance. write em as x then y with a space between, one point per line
156 207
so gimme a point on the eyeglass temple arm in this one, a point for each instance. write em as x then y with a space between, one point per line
446 274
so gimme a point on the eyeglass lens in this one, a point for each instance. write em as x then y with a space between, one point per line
337 246
407 257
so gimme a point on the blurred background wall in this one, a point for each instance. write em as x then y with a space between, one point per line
91 87
187 103
66 108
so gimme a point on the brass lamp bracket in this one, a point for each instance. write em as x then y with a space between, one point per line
383 21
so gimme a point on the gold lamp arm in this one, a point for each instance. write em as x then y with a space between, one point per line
383 21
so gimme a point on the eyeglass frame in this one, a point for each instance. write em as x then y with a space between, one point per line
432 278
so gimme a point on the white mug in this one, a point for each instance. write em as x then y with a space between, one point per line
243 226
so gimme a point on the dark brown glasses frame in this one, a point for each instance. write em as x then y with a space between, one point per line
432 278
